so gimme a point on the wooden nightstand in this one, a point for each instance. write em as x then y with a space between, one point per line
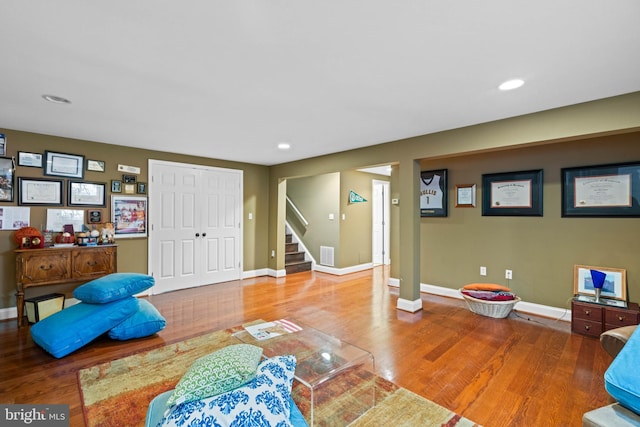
593 319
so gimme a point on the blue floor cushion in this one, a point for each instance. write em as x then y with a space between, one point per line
113 287
146 321
69 329
622 379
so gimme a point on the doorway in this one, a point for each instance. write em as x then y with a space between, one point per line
380 223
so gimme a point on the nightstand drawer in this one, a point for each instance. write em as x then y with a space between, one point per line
587 327
586 311
614 318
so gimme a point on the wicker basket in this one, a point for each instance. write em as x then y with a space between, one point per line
496 309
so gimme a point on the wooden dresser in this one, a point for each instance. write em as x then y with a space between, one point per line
51 266
593 319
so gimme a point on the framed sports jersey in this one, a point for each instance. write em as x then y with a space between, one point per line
433 193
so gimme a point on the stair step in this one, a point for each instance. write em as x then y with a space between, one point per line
293 257
298 267
290 247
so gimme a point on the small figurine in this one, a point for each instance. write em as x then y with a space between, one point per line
108 233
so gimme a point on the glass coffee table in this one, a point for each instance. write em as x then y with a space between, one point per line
337 380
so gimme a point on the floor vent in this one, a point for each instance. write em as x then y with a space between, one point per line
326 255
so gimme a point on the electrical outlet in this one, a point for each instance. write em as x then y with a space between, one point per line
483 271
508 274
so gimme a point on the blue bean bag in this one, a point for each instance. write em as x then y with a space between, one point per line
622 378
69 329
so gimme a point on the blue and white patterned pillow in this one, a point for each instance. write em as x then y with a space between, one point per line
263 401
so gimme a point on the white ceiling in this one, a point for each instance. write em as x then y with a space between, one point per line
231 79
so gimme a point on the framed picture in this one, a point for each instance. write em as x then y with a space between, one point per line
129 179
129 216
7 169
66 165
3 145
40 192
433 193
604 191
614 287
94 216
116 186
142 188
86 193
466 196
95 165
31 160
512 193
129 188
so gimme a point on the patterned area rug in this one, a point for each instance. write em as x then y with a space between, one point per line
117 393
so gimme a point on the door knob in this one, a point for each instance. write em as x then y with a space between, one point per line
204 234
197 234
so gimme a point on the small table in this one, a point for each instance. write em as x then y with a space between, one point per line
339 376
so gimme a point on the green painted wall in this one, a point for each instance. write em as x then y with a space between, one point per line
132 253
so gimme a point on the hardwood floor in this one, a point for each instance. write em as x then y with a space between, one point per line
519 371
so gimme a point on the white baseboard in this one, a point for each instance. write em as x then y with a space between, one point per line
255 273
342 271
410 306
562 314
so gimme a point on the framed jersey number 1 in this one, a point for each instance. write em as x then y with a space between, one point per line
433 193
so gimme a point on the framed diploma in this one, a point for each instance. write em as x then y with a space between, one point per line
40 192
601 191
512 193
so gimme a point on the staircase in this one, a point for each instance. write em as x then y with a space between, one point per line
294 261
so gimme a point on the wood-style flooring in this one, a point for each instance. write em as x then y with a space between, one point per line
519 371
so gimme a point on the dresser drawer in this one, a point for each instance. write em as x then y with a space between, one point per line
586 311
587 327
615 318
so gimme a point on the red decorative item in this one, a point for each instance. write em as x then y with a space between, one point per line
29 238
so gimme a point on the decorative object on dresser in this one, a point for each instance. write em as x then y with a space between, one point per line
591 319
69 264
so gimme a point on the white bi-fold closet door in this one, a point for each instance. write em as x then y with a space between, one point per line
195 225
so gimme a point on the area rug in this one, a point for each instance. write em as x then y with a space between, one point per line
117 393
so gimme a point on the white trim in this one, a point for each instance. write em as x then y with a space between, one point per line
276 273
410 306
342 271
255 273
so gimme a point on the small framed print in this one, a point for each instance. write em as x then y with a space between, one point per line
129 188
142 188
65 165
614 286
30 160
95 165
466 196
129 179
116 186
94 216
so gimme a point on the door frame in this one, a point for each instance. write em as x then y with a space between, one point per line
386 229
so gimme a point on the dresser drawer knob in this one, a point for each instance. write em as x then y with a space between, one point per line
620 318
587 327
587 312
45 268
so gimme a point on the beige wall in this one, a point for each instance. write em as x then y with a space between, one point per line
132 253
541 251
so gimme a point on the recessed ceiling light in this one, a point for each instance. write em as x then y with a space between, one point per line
284 146
56 99
511 84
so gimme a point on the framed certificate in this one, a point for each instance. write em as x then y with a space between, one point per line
601 191
512 193
466 196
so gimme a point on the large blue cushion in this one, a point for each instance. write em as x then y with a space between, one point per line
145 322
69 329
622 379
113 287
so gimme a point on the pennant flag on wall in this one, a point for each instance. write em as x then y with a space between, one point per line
355 197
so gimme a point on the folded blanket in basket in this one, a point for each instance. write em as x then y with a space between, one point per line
490 295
